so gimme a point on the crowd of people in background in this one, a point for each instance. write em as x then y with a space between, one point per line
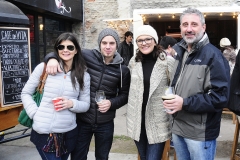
197 70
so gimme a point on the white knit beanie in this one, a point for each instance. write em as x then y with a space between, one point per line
146 30
224 42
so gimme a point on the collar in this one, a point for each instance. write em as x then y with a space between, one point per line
196 46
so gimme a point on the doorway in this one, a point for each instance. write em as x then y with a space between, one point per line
216 30
220 21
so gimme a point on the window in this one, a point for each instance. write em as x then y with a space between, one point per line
43 33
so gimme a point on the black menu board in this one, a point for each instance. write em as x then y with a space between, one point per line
15 65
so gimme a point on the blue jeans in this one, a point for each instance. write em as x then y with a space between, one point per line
149 151
103 135
51 155
187 149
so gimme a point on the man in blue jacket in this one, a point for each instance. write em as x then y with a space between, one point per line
108 73
201 84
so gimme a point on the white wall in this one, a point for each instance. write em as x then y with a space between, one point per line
124 10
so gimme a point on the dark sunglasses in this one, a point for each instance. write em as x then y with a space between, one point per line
69 47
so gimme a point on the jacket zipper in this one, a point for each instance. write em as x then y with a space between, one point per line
60 95
96 108
178 80
181 72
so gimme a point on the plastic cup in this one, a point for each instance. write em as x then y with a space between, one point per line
55 100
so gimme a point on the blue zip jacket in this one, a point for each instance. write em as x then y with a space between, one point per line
202 80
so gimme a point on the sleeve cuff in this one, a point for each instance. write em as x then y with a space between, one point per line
184 106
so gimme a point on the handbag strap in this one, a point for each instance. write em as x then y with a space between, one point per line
168 77
42 80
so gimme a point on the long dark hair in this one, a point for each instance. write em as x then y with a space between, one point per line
78 65
156 53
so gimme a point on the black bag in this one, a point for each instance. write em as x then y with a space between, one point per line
234 97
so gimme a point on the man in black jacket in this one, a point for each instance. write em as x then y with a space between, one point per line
125 48
108 73
234 98
167 43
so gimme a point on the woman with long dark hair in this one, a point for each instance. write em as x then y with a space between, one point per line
54 130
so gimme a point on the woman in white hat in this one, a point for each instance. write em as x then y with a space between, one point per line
147 122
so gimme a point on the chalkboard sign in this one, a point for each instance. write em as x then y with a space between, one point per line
15 63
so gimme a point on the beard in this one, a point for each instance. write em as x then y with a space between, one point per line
196 38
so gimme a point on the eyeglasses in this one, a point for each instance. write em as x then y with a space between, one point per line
69 47
147 41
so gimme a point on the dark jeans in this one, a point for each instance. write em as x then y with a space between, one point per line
149 151
103 135
51 155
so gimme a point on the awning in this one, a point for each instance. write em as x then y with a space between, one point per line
69 9
9 13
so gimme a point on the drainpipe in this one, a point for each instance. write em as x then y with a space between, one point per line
83 24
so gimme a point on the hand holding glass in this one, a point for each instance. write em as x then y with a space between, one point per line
100 95
168 95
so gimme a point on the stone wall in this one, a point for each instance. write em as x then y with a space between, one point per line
95 11
94 14
140 4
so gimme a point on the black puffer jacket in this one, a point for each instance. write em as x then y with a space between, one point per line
113 79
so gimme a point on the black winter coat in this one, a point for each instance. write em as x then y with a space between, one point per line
234 100
107 78
126 51
113 79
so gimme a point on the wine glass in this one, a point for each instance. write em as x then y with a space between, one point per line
168 95
100 95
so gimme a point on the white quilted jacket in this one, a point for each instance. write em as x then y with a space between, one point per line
157 120
45 118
